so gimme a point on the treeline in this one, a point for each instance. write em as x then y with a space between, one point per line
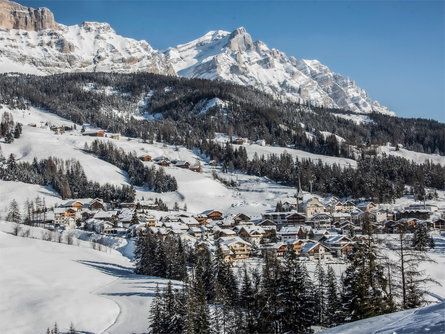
249 113
139 175
378 178
66 177
9 130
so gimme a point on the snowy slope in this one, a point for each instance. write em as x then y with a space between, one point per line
88 47
43 282
236 58
430 319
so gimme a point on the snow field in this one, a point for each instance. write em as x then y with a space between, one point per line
44 282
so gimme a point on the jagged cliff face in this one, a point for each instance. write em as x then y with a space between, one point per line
235 57
15 16
48 48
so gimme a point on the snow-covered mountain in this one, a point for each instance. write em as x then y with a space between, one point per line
236 58
32 42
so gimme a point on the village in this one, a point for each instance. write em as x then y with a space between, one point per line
317 229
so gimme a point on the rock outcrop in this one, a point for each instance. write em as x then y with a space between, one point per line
16 16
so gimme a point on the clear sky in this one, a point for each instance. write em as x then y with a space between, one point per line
392 49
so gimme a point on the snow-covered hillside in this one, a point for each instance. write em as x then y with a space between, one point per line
428 319
44 282
235 57
199 191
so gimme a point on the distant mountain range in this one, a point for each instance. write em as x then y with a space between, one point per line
31 41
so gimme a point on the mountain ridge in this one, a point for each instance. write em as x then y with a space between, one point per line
41 46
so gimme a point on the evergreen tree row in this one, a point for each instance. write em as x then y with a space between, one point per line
156 257
66 177
378 178
139 175
249 112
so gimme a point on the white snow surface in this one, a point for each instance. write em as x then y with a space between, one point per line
44 282
88 47
430 319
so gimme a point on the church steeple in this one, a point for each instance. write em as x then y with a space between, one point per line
299 196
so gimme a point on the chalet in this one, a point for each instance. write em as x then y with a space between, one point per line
321 220
253 234
366 206
419 214
213 163
313 206
213 214
197 231
77 205
97 204
65 216
94 133
320 235
110 216
297 244
239 249
269 227
241 217
334 207
439 224
195 168
279 218
223 233
336 240
238 141
315 251
348 206
115 136
189 221
182 164
145 157
341 217
163 162
279 248
295 219
293 232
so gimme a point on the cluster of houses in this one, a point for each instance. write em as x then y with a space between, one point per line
315 229
166 162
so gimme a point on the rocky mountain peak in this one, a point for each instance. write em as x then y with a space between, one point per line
16 16
240 40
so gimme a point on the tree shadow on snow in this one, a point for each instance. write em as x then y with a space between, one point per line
110 268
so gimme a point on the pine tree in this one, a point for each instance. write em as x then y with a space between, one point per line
320 289
412 278
421 239
333 304
156 314
14 212
134 218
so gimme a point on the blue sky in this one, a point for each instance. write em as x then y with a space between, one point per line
392 49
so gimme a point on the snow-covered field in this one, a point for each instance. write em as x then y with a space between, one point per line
43 282
430 319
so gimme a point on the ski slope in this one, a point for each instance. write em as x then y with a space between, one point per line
44 282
